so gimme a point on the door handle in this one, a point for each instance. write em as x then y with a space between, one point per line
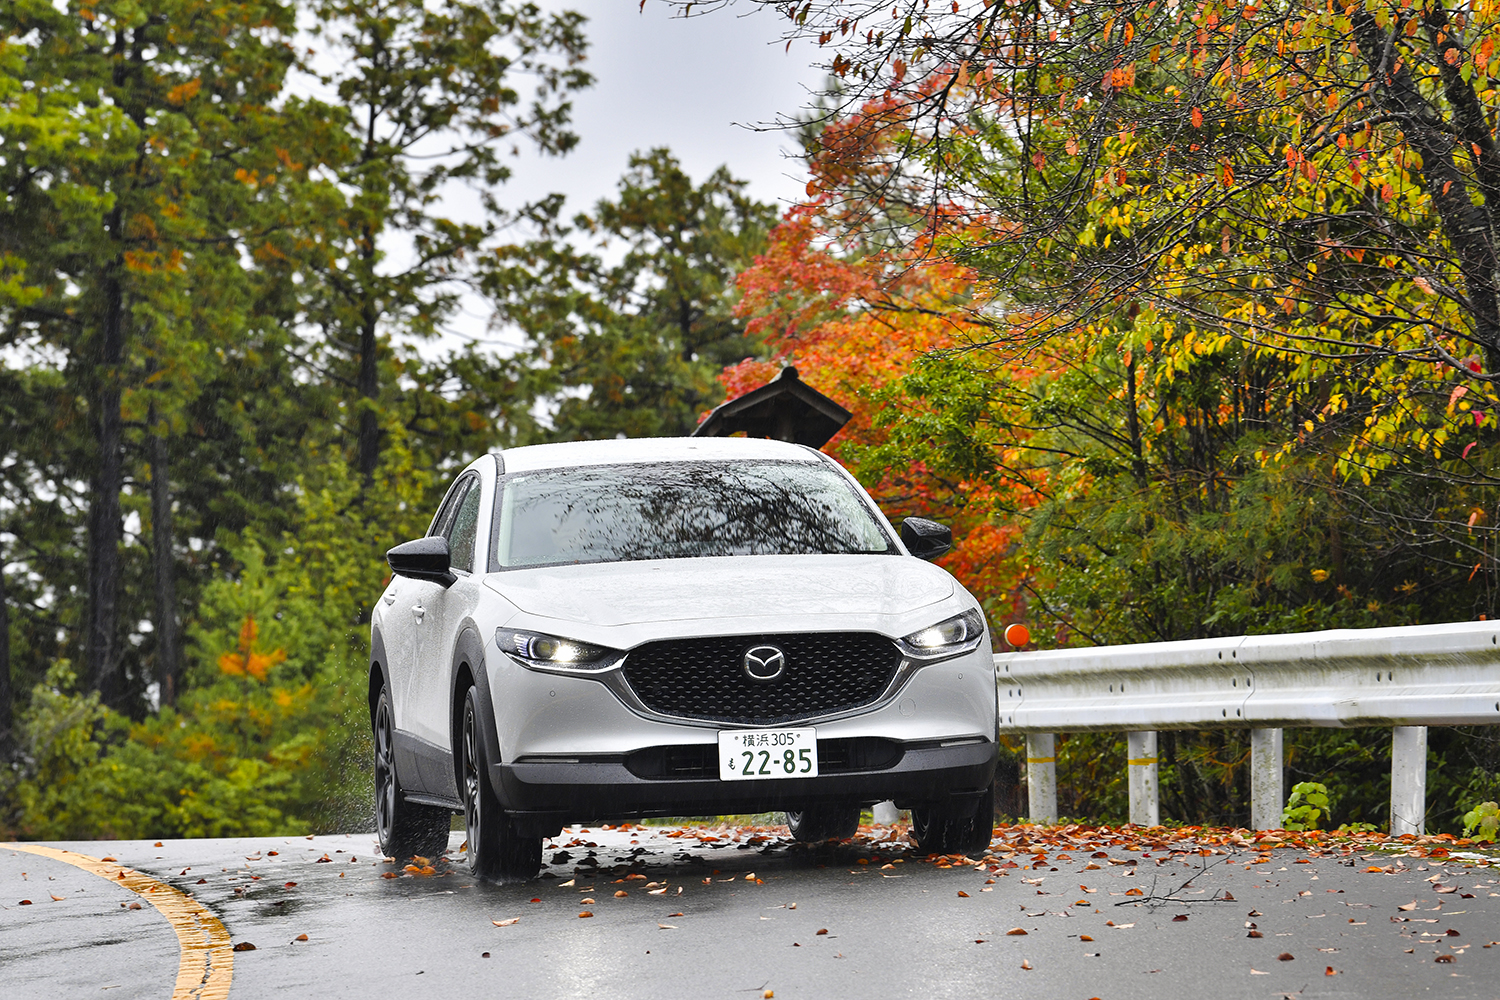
419 611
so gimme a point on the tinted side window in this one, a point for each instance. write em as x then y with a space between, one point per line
465 524
443 523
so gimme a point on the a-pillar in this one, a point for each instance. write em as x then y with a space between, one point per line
1041 777
1266 757
1145 800
1408 780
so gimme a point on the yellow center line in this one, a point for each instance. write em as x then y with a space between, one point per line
206 964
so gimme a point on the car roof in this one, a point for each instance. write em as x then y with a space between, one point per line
621 451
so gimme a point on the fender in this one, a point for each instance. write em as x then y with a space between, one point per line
379 676
469 666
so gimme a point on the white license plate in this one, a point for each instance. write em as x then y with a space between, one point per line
761 754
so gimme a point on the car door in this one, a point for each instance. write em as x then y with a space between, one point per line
444 610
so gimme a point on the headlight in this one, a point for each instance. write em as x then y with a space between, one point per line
552 652
958 634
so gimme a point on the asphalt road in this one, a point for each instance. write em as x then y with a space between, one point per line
678 915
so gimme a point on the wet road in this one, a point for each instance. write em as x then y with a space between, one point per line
734 913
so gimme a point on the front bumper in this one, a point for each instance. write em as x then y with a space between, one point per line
543 796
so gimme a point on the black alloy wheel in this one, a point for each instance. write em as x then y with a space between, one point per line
405 829
942 832
824 821
496 849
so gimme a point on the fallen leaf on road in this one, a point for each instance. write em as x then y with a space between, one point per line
1286 956
679 913
822 931
1121 927
506 922
1134 892
301 937
1408 906
1255 913
1180 917
1446 888
1084 937
1227 897
57 899
620 893
24 902
1087 889
965 895
750 877
1016 932
135 906
1443 958
1025 964
390 874
667 927
1330 971
244 946
1254 934
536 899
584 914
1257 972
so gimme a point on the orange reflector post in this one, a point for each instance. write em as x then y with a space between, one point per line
1017 635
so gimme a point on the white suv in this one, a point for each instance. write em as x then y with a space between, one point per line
618 629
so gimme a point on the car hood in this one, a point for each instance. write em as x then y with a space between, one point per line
612 594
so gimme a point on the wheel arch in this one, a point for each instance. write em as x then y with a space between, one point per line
379 676
468 670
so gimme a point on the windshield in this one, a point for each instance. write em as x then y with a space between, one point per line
680 510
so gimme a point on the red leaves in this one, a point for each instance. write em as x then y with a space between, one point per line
1197 118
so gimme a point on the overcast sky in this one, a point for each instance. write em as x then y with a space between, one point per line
698 85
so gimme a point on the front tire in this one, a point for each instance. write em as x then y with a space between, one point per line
941 833
496 850
824 821
405 829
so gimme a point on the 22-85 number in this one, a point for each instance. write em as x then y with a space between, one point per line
790 762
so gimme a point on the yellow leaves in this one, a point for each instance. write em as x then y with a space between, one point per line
1319 575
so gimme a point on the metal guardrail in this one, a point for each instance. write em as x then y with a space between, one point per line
1407 678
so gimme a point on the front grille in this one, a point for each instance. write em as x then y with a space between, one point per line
825 672
701 760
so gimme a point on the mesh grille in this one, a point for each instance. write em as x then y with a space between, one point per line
705 678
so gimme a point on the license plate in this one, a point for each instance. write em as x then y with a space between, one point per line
761 754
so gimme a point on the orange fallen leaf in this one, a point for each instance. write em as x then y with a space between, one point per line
24 902
583 914
965 895
301 937
1025 964
158 844
1330 971
822 931
1016 932
1285 956
390 874
57 899
1084 937
244 946
1254 934
620 892
1134 892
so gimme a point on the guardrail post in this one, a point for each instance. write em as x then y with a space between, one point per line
1145 802
1408 780
1041 777
1266 757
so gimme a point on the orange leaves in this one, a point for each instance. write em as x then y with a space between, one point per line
246 660
184 92
1197 117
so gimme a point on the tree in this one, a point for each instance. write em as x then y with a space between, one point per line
434 96
133 130
634 347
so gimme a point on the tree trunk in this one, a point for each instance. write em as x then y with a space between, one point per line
164 565
368 386
7 698
104 512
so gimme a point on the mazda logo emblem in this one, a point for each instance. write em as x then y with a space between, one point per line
764 663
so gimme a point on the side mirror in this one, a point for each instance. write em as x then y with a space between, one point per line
423 559
923 538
